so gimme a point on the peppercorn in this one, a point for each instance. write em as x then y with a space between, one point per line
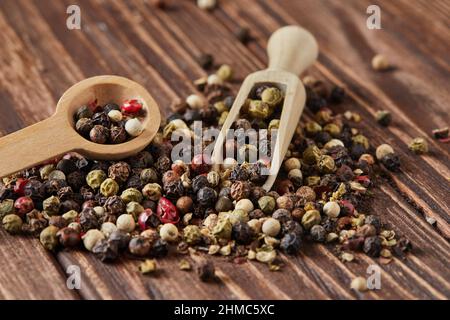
272 96
326 164
48 238
240 190
83 112
267 204
383 150
12 223
310 218
70 216
57 221
291 243
95 178
148 219
115 205
271 227
192 235
159 248
105 250
225 72
184 204
418 146
391 162
318 233
243 35
223 228
440 133
372 246
148 176
23 205
167 211
291 226
163 164
205 60
134 127
109 187
139 246
206 197
168 232
305 194
258 109
6 207
117 134
88 219
337 95
311 155
131 194
206 271
332 209
99 134
120 238
68 237
374 221
126 223
380 63
242 232
359 284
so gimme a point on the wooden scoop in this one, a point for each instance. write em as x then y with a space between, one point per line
56 135
291 50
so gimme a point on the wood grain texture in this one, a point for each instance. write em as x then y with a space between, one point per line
159 48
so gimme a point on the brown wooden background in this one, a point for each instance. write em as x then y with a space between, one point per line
40 58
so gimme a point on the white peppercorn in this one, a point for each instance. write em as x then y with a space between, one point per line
91 238
332 209
271 227
115 115
126 223
245 205
134 127
292 163
107 228
168 232
383 150
359 284
194 101
214 79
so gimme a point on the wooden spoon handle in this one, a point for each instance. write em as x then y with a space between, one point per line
292 49
33 145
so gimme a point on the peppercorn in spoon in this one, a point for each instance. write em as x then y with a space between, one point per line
56 135
291 50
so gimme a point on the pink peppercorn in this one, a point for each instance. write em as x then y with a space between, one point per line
147 219
131 106
347 207
167 211
23 205
20 186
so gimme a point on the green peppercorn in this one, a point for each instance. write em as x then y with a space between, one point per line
362 140
223 228
192 235
312 128
272 96
12 223
267 204
70 216
326 164
109 187
46 170
333 129
258 109
310 218
149 176
6 207
238 215
311 155
152 191
131 194
48 238
95 178
225 72
51 205
418 146
134 208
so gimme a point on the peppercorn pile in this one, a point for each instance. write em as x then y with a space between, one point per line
110 123
147 204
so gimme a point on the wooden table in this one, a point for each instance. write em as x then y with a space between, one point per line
40 58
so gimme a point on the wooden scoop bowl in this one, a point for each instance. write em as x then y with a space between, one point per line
291 50
56 135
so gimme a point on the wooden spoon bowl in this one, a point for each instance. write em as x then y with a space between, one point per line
56 135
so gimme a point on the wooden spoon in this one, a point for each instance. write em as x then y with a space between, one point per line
291 50
56 135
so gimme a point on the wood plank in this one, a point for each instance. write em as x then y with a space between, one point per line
29 271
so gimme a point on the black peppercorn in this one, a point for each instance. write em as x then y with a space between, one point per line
243 35
121 239
240 190
290 243
142 160
159 249
139 246
57 221
391 162
206 270
374 221
70 204
110 107
291 226
83 112
282 215
199 182
102 119
206 197
239 174
224 204
115 205
337 95
117 135
119 171
88 220
372 246
67 166
99 134
345 173
105 250
205 60
242 232
174 189
329 224
163 164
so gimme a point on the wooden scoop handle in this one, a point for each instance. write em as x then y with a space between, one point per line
292 49
34 144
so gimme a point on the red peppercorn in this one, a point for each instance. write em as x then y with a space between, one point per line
364 180
148 219
131 106
23 205
347 207
200 164
167 211
20 185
